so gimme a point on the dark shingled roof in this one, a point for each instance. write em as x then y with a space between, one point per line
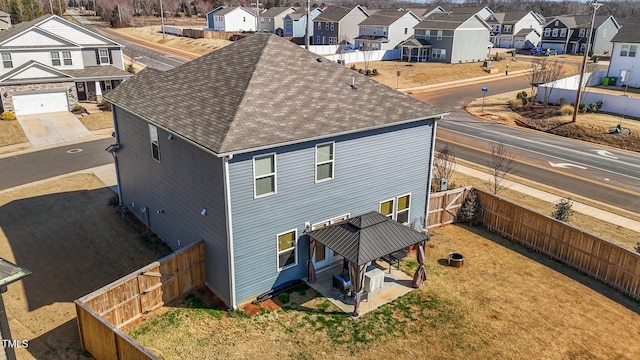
275 11
443 21
629 33
335 13
263 91
367 237
384 18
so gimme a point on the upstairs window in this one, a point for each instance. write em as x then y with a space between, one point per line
326 26
319 25
563 33
632 50
427 34
287 254
332 26
103 56
155 145
55 58
547 32
507 28
397 208
7 63
66 58
554 33
439 35
405 31
582 32
264 171
628 50
324 162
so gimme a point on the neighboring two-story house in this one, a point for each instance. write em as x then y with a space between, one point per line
385 29
448 37
294 23
231 18
5 20
216 150
625 57
483 12
50 64
423 12
518 30
569 34
338 24
272 19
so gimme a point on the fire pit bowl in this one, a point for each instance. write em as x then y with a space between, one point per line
455 259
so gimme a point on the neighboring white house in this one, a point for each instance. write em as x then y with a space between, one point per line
5 20
294 23
231 18
514 29
625 57
385 29
50 64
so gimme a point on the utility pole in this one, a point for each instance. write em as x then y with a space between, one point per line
161 19
595 6
306 28
258 15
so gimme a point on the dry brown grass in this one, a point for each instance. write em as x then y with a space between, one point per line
504 303
591 127
617 234
11 133
194 46
427 73
97 121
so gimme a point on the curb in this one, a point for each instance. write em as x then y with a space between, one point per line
462 81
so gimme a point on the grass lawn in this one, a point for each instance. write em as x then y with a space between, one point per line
97 121
505 303
11 133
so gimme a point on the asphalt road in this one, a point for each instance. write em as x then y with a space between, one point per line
604 174
40 165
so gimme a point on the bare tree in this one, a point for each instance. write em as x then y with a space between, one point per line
444 165
367 51
500 165
545 72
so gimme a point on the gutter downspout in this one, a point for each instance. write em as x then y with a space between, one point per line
431 156
115 157
229 223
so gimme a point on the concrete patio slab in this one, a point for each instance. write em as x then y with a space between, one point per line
52 128
396 284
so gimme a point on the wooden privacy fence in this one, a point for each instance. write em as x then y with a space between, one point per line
102 313
444 206
605 261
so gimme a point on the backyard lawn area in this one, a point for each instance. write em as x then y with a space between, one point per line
505 302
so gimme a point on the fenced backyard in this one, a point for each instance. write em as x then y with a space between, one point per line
102 313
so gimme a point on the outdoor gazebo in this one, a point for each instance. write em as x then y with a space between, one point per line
363 239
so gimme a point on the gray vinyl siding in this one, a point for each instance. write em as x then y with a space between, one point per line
602 37
370 167
325 33
89 57
186 180
469 45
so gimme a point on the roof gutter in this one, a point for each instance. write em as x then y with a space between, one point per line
258 148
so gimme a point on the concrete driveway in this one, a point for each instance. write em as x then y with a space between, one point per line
52 128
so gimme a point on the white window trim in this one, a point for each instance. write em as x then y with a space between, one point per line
332 161
295 250
632 49
9 60
439 35
101 57
70 58
330 221
624 50
395 210
392 216
154 130
275 175
52 53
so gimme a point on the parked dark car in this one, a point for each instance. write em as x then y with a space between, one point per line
535 51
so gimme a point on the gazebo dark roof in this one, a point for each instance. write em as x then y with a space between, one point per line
367 237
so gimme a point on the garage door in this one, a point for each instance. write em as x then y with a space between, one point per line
40 103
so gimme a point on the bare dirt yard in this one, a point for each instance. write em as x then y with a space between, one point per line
65 232
505 302
593 127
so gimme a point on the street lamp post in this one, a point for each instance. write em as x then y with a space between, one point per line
595 6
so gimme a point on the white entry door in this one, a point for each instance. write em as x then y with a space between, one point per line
40 103
323 255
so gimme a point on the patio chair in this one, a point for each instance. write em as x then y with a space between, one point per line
342 284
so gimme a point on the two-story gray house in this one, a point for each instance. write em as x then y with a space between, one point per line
295 22
385 29
338 25
50 64
569 34
448 37
272 19
248 170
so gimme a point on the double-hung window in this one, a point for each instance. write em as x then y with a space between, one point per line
103 56
324 161
326 26
66 58
507 28
439 36
632 50
397 208
319 25
624 51
563 32
55 58
264 172
554 32
7 63
155 144
547 32
287 254
332 26
582 32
